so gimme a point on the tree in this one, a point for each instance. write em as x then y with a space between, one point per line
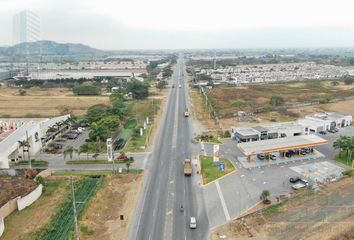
161 84
95 155
118 108
110 122
96 112
339 144
98 131
78 152
87 88
69 150
87 148
140 90
276 100
127 164
264 196
348 81
23 144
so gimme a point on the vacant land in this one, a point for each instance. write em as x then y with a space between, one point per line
45 102
118 196
38 215
12 187
326 214
228 100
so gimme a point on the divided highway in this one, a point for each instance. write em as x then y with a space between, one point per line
165 187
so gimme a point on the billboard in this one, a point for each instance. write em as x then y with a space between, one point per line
109 149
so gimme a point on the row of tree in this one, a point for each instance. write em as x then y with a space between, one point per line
345 144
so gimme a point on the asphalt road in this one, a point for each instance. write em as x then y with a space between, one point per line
165 187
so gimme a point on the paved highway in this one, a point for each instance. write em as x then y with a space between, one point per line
165 187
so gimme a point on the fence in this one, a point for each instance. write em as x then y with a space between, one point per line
8 208
2 226
27 200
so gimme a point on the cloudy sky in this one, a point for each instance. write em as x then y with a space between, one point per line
155 24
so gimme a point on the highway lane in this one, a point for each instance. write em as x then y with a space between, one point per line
166 188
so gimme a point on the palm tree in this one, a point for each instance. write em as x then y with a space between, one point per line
339 144
22 144
127 164
78 152
68 151
86 148
264 196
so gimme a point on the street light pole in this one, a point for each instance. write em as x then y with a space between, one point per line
74 208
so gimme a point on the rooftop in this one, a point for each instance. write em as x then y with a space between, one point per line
247 131
278 144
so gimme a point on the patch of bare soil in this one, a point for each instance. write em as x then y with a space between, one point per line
326 214
118 195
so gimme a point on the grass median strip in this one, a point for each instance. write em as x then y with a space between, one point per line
34 163
74 162
211 171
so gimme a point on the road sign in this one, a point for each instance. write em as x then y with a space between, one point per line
222 166
216 153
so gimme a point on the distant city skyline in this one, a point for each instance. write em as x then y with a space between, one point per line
170 24
26 27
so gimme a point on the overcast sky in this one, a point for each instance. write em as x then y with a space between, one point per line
155 24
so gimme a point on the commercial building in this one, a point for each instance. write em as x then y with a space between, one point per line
325 121
26 27
35 131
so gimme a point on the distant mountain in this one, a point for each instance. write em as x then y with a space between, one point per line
49 48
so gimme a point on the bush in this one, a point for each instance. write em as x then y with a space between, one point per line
227 134
348 172
87 88
40 180
86 230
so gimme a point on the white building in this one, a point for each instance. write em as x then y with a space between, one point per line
14 130
310 124
26 27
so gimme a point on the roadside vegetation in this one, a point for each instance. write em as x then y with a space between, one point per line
345 147
268 97
210 171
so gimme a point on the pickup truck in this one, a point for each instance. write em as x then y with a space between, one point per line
187 167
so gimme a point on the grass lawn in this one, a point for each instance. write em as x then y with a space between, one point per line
94 162
136 144
211 172
343 159
91 173
209 140
34 163
130 124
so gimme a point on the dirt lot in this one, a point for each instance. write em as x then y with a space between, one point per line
326 214
45 102
36 216
12 187
117 196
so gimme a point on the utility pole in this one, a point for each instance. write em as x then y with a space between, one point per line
74 208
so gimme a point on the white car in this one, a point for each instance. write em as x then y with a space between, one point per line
180 85
193 223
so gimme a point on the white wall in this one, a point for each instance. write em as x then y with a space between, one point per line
27 200
2 226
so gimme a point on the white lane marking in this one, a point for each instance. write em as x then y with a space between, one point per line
223 204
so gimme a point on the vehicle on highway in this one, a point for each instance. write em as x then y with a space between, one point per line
186 113
193 223
294 179
173 86
187 167
180 86
181 209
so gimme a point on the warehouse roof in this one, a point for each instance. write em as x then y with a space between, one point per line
279 144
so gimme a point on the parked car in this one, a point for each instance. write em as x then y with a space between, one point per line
273 157
121 157
336 129
331 131
193 223
322 132
294 179
260 156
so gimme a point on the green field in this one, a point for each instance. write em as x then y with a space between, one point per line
343 159
62 225
210 171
